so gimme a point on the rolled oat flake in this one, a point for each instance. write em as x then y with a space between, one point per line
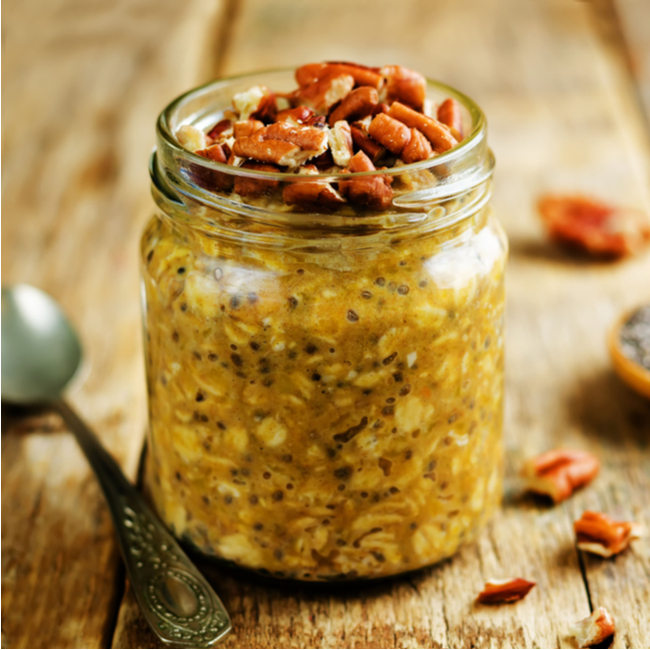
635 337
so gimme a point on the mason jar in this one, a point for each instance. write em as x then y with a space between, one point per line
325 388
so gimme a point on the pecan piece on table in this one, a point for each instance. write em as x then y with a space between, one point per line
593 226
405 85
599 534
417 149
559 472
256 187
504 591
359 103
591 631
438 134
368 192
449 114
390 133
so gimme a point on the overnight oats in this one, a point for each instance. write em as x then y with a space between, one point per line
323 297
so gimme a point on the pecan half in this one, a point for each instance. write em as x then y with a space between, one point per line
597 533
312 195
357 104
340 141
449 113
368 192
362 75
590 631
257 102
244 128
405 85
559 472
390 133
438 134
504 591
371 148
256 187
191 138
326 91
417 149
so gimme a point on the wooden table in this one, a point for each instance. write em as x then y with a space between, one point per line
563 85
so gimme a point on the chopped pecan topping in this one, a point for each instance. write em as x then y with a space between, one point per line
296 115
245 128
277 152
334 120
597 533
312 195
449 114
222 127
362 75
357 104
591 631
214 152
437 134
593 226
257 102
373 192
405 85
310 139
326 91
254 187
504 591
390 133
191 138
559 472
340 139
371 148
417 149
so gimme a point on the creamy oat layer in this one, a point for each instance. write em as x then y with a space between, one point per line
325 415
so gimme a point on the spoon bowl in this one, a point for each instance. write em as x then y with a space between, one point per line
41 352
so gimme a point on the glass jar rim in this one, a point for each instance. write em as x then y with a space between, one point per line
166 138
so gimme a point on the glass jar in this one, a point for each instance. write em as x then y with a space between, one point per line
325 390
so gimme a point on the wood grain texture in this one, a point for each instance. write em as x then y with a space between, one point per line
634 19
83 82
563 117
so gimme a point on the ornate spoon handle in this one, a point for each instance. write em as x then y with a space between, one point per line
177 601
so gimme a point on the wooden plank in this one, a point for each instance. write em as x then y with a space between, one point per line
634 19
562 118
83 83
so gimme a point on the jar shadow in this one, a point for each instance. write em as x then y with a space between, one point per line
545 250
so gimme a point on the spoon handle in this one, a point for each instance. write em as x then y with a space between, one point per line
177 601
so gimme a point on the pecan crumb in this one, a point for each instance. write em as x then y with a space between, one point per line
504 591
599 534
591 631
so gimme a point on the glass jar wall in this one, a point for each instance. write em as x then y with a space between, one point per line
325 390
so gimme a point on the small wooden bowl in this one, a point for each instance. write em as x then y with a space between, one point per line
632 373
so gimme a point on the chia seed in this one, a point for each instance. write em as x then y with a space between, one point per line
635 337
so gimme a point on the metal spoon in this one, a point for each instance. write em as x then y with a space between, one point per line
40 355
